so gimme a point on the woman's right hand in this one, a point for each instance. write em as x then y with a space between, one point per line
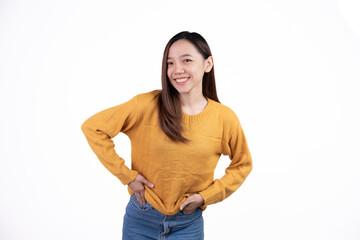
138 188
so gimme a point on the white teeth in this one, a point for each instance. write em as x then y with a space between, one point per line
181 79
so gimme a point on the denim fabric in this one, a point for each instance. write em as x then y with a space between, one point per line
145 222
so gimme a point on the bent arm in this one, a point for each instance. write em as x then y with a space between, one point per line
99 130
234 145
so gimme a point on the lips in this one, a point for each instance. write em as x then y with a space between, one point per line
181 80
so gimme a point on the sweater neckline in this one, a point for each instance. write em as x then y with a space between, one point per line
201 115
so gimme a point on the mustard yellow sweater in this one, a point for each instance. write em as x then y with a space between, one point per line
176 169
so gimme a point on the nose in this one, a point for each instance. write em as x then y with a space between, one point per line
179 69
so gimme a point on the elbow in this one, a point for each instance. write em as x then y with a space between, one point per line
250 165
84 127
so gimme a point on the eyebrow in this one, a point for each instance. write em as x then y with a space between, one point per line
184 55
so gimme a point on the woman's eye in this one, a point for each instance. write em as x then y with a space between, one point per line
169 63
187 60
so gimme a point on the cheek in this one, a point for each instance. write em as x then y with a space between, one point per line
168 72
197 70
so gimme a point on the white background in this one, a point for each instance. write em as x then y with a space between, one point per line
289 69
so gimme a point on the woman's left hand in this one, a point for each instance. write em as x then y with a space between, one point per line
192 203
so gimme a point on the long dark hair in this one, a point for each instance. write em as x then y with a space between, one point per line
170 113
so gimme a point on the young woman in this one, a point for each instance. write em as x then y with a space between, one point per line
177 137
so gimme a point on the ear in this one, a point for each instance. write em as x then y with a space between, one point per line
209 63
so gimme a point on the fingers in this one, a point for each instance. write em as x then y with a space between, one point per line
140 197
189 208
191 203
138 184
184 204
138 188
145 181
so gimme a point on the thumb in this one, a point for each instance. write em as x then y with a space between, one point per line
147 183
183 205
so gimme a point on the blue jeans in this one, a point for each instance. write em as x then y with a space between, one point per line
145 222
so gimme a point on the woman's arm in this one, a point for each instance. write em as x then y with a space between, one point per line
101 127
235 145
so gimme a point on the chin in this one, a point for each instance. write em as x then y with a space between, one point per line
182 91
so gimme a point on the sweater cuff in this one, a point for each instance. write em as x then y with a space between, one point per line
211 195
127 175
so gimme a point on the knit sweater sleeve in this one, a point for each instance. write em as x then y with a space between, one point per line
234 145
99 130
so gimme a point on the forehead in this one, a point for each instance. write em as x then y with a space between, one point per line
182 47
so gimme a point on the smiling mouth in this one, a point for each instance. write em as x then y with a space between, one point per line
180 80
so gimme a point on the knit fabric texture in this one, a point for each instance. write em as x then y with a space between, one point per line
176 169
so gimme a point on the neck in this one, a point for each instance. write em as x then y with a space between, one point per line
192 104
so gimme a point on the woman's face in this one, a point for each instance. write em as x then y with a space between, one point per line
186 67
